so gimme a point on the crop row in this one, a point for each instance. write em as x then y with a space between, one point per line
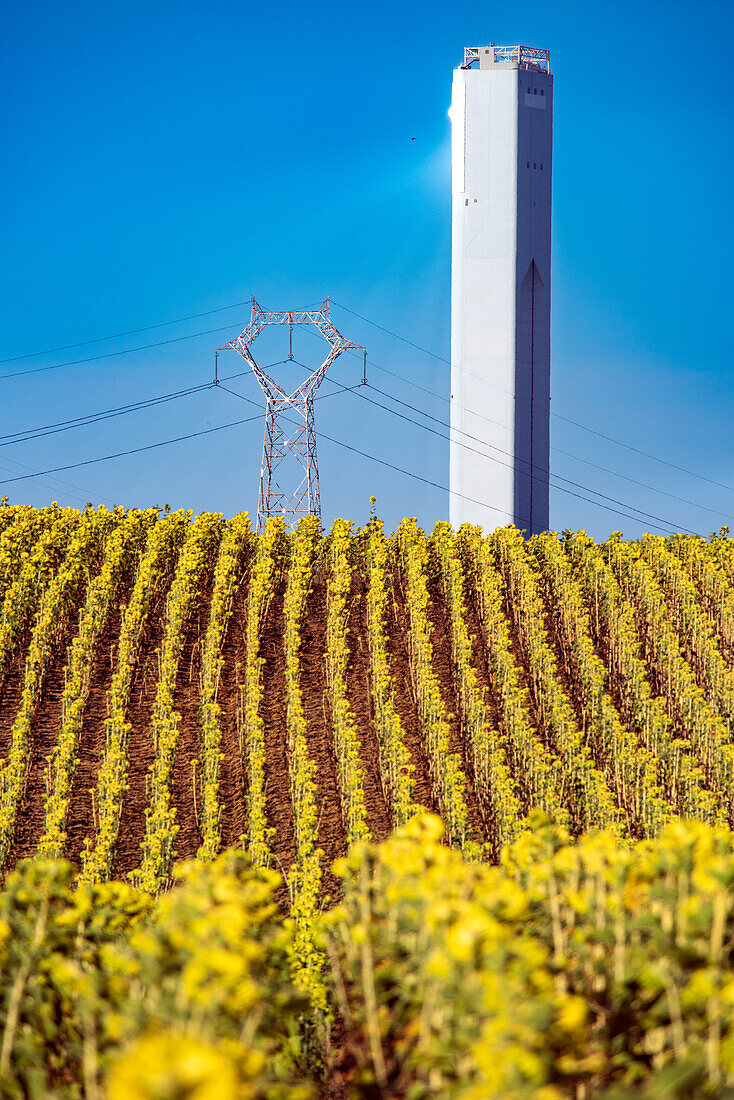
586 968
593 681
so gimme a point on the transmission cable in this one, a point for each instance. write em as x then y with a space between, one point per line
79 492
605 469
559 416
132 451
112 354
28 434
528 472
95 418
557 450
153 446
645 454
437 485
381 461
374 324
119 335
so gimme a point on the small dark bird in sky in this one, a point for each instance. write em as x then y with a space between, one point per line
412 139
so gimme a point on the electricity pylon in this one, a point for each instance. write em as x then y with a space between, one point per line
286 435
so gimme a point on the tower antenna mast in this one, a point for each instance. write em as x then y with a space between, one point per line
285 435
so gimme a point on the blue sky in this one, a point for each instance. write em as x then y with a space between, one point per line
164 160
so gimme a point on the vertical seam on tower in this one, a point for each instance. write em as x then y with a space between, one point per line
532 382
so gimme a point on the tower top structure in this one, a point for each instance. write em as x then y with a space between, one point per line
507 57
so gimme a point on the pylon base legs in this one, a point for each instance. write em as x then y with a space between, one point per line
285 439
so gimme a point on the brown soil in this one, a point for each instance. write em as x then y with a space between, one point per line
332 835
80 820
279 807
396 630
11 690
233 781
140 750
359 693
616 685
186 701
481 665
523 672
565 670
443 668
479 656
44 734
572 687
523 678
571 796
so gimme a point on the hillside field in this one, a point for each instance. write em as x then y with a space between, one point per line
175 686
171 685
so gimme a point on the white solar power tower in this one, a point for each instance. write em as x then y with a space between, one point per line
502 141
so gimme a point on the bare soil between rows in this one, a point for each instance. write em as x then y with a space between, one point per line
331 832
140 750
396 631
44 734
279 808
81 816
359 694
233 778
185 786
443 667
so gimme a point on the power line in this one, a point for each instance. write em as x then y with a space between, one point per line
547 481
556 450
391 333
588 488
86 494
112 354
131 451
387 331
426 351
643 485
95 418
446 488
381 461
331 439
119 335
568 420
529 472
160 443
28 434
645 454
614 473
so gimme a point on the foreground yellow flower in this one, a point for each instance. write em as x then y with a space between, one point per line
174 1067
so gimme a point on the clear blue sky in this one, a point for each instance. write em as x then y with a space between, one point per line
162 160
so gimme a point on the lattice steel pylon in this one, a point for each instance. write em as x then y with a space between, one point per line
283 436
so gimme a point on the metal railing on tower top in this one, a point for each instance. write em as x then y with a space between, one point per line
526 57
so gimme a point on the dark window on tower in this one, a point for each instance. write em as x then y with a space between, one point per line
541 166
542 91
528 163
535 91
535 164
